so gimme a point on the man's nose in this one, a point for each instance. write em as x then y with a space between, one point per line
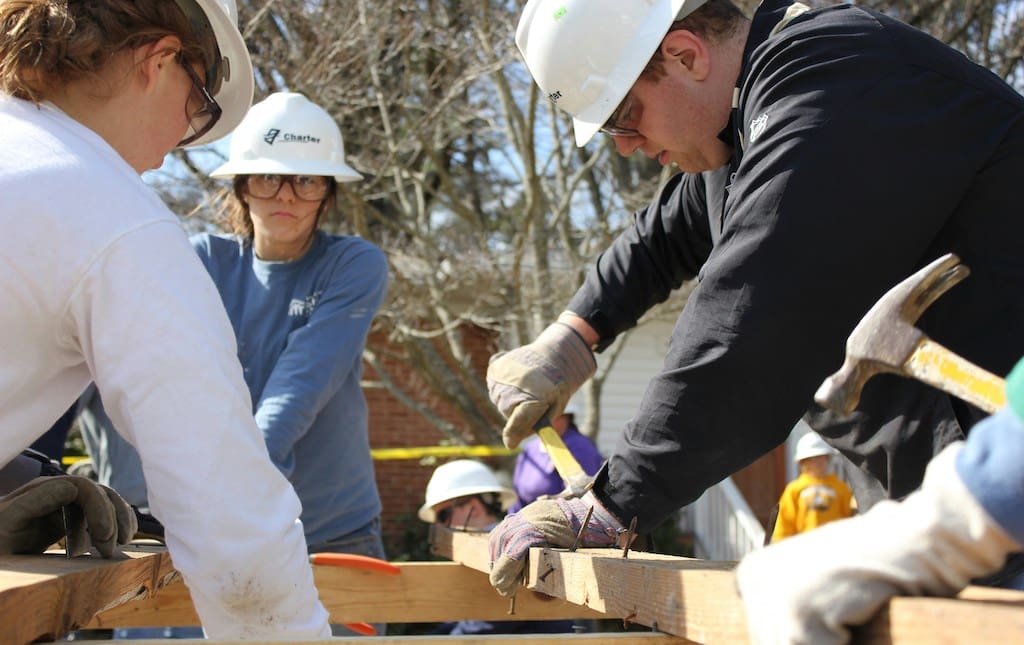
626 145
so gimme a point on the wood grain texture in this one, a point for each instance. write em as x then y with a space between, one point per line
697 599
46 596
626 638
424 592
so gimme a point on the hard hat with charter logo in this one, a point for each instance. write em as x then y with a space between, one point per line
229 76
287 134
585 55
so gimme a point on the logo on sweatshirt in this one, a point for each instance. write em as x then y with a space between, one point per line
303 307
757 126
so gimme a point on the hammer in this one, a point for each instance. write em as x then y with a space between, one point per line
886 340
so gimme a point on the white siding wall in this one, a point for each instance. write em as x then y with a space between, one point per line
640 359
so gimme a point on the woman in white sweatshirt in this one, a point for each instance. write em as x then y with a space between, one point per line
101 284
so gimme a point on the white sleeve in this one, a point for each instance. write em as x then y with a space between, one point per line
162 352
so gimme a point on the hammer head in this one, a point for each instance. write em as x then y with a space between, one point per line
886 337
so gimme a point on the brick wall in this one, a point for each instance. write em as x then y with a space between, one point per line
402 482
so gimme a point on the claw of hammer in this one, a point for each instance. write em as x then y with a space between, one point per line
886 340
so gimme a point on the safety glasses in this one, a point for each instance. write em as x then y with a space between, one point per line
310 188
616 126
201 110
444 516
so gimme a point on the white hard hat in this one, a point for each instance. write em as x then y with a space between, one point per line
587 54
287 134
811 445
234 87
458 479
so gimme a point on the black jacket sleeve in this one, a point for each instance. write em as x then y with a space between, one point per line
666 245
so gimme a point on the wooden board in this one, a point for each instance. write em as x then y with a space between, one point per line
46 596
424 592
627 638
697 599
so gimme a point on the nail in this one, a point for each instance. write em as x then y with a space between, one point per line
630 534
583 528
547 573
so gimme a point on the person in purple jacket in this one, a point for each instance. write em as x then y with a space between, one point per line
535 474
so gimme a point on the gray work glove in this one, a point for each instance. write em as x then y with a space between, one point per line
812 587
31 519
537 379
546 522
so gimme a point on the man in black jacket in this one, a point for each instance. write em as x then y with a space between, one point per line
827 154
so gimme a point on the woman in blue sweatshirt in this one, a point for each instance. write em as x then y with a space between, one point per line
301 303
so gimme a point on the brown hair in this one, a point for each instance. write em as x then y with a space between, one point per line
715 20
46 44
235 209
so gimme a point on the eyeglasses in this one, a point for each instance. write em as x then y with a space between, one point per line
201 119
615 125
310 188
444 516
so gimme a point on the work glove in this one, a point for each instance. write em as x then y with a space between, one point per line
810 588
546 522
31 519
537 379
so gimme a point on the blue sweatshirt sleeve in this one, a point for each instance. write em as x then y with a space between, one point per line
990 463
323 353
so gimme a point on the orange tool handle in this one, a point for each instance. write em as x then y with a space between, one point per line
366 629
355 561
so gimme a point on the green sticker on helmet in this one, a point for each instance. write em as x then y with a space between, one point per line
560 13
1015 389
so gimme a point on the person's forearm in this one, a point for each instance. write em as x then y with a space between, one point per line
581 326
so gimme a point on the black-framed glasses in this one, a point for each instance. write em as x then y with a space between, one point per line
616 124
201 119
310 188
444 516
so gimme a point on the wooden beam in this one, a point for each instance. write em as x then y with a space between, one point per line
46 596
977 615
694 599
424 592
625 638
697 600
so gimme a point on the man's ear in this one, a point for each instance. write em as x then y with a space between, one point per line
685 48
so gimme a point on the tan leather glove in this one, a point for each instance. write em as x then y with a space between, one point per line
537 379
553 522
812 587
31 519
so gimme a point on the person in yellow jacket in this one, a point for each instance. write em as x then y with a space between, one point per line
817 496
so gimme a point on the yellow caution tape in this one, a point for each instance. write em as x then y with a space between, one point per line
388 454
385 454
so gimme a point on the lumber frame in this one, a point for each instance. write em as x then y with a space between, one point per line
697 599
44 597
424 592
